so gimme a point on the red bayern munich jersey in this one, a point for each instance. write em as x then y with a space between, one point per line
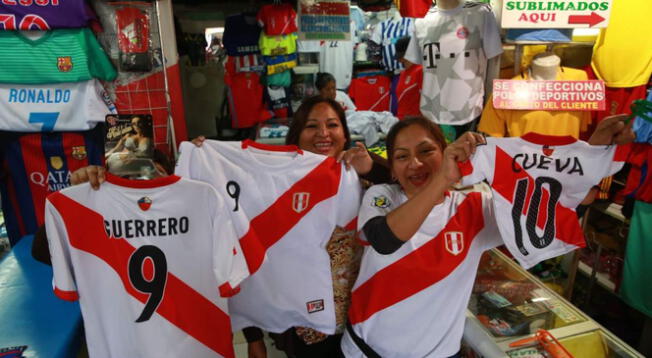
538 181
425 285
371 93
277 19
292 201
148 261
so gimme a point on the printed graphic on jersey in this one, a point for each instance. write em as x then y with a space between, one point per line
381 202
315 306
64 63
454 242
144 203
300 201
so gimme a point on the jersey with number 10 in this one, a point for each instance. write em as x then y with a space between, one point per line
148 261
292 201
537 181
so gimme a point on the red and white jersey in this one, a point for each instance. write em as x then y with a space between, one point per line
537 181
58 107
292 201
412 303
148 261
371 93
278 19
408 91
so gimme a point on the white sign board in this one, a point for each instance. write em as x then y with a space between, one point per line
555 14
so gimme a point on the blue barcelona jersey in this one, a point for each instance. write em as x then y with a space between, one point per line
34 165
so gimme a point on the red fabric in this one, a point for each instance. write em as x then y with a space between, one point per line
245 95
371 93
408 91
413 8
277 19
133 30
617 100
639 180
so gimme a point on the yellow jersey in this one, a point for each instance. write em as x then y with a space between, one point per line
277 45
622 55
515 123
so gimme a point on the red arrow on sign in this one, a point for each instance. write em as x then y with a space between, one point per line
591 20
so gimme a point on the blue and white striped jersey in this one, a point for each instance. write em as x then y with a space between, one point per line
386 34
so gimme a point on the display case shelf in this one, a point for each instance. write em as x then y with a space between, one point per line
602 278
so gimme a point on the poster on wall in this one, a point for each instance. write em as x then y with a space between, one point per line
558 14
549 95
324 20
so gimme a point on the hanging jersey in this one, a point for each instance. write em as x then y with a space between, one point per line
423 287
44 15
336 58
622 57
72 106
453 46
636 289
278 44
34 165
161 251
537 182
66 55
413 8
408 92
515 123
371 93
639 179
247 63
386 34
292 200
278 99
241 34
278 19
282 63
245 95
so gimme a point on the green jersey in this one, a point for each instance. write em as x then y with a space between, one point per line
65 55
635 288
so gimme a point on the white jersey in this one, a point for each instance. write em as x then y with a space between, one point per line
453 46
537 181
412 303
386 34
59 107
336 58
148 261
345 101
292 201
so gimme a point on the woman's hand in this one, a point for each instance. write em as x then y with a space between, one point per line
93 174
358 158
257 349
613 130
198 141
457 152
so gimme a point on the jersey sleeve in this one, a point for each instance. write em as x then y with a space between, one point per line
491 238
413 52
185 167
261 16
102 106
349 194
615 156
377 201
479 167
493 121
491 35
99 64
63 280
229 264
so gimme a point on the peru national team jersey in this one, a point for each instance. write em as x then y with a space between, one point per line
408 91
44 14
36 164
65 55
537 181
148 261
371 93
453 46
72 106
292 201
245 95
411 303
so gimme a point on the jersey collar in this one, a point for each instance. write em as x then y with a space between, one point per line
274 148
142 184
543 139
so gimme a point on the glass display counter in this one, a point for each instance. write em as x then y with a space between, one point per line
508 304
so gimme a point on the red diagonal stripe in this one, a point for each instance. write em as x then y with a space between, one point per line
272 224
420 269
181 305
567 227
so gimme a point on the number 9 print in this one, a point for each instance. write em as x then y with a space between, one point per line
155 286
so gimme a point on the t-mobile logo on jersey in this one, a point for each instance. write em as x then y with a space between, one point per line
431 53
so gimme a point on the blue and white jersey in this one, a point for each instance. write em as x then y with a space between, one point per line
386 34
56 107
